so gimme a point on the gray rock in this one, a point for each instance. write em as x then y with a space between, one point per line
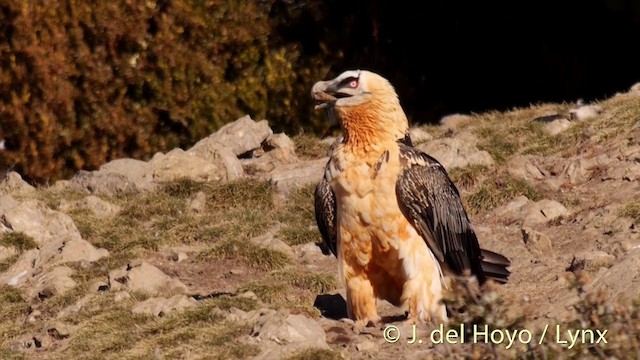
281 333
280 148
536 242
99 207
580 170
44 225
455 121
241 136
145 278
301 173
270 241
72 251
457 152
543 211
220 156
593 259
13 184
628 171
160 306
54 282
7 202
132 169
557 126
526 167
102 182
22 270
276 150
177 164
59 330
585 112
512 208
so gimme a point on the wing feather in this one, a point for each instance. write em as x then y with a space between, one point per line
325 211
431 202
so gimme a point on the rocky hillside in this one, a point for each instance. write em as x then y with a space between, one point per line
210 252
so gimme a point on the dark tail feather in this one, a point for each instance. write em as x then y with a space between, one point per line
495 265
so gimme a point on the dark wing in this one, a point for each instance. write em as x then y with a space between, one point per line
431 202
325 209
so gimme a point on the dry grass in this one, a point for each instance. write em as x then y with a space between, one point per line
314 354
18 240
298 217
8 262
498 190
292 289
258 257
13 307
631 210
109 330
468 176
310 146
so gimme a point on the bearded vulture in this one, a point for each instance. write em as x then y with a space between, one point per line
388 211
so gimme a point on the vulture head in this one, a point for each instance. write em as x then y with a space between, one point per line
365 104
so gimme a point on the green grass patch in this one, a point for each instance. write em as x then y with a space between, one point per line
312 281
7 262
468 176
18 240
298 217
226 302
252 254
12 307
310 146
631 210
497 191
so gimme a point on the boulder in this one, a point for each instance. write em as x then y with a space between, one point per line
96 205
282 333
241 136
12 183
301 173
145 278
160 306
177 164
457 152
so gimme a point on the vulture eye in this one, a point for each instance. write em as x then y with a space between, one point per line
353 84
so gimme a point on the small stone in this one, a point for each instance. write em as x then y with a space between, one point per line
237 272
12 183
59 330
592 260
248 295
34 316
557 126
178 256
585 112
536 242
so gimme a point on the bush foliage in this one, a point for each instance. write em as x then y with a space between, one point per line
84 82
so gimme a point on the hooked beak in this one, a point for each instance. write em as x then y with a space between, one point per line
323 93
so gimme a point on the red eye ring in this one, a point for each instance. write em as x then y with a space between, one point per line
353 84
